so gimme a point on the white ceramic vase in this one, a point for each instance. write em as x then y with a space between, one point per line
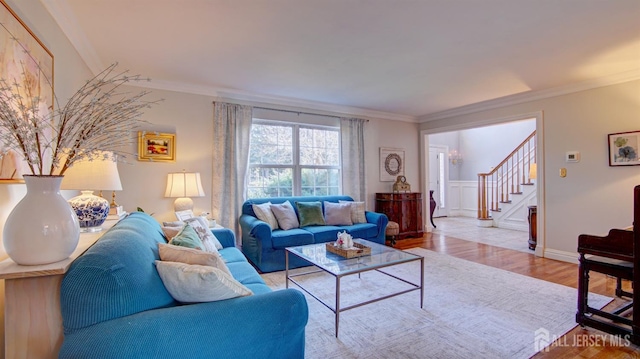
42 227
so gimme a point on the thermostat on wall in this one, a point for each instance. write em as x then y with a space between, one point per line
572 156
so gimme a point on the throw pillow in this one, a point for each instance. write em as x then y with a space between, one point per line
310 214
170 232
337 214
186 255
264 213
357 212
209 240
187 237
192 283
286 215
173 224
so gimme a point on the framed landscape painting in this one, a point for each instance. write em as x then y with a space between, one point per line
26 61
624 149
154 146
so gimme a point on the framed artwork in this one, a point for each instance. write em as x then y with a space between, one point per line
391 164
184 215
154 146
624 149
28 62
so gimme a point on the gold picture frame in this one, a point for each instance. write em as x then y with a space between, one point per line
22 50
156 147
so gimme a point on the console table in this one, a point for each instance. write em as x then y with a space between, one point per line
405 209
32 318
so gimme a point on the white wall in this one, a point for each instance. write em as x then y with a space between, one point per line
484 147
593 197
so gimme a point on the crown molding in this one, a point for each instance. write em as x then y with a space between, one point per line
250 98
66 20
533 96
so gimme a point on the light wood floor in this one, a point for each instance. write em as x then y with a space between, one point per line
541 268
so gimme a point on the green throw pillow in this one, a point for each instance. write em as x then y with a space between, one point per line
187 237
310 214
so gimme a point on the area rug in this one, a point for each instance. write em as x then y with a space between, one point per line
470 311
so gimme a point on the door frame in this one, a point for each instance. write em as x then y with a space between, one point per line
540 157
444 150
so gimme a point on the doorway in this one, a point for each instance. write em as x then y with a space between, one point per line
438 177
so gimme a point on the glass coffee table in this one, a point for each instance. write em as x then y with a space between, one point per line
381 256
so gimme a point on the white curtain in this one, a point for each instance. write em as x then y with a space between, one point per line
231 133
353 178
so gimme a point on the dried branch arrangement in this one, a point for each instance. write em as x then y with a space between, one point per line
98 117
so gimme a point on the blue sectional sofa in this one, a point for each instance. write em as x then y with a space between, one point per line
265 247
114 305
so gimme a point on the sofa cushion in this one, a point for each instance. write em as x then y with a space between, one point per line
310 213
232 254
192 283
362 230
286 215
244 273
323 234
171 253
290 238
187 237
264 213
337 214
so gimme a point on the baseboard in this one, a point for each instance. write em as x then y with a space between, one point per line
570 257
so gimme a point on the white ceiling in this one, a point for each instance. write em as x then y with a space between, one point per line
404 59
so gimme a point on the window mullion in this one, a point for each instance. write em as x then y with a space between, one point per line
297 175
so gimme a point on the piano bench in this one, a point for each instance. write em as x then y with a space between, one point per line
614 322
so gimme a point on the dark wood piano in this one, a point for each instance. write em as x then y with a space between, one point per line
616 255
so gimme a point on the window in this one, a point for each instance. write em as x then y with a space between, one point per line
293 160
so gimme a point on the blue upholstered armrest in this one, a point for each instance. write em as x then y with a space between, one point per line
255 229
269 325
226 237
380 220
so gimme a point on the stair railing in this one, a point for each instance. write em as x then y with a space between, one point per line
505 179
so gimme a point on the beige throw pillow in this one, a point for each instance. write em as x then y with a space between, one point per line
286 215
357 212
192 283
337 214
264 213
171 253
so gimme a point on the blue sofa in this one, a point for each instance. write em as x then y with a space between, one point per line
265 248
114 305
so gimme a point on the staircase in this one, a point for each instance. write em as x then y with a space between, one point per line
505 192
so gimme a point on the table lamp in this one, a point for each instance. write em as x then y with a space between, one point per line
96 174
183 185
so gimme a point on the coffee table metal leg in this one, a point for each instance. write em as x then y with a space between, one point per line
286 269
421 281
337 303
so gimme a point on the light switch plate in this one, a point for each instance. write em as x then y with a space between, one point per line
572 156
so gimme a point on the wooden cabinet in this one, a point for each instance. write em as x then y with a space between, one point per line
404 209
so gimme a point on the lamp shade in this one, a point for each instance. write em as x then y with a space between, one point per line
96 174
183 185
533 171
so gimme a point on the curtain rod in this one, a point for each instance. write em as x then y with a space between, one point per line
298 112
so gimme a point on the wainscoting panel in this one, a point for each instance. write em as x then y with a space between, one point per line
463 202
